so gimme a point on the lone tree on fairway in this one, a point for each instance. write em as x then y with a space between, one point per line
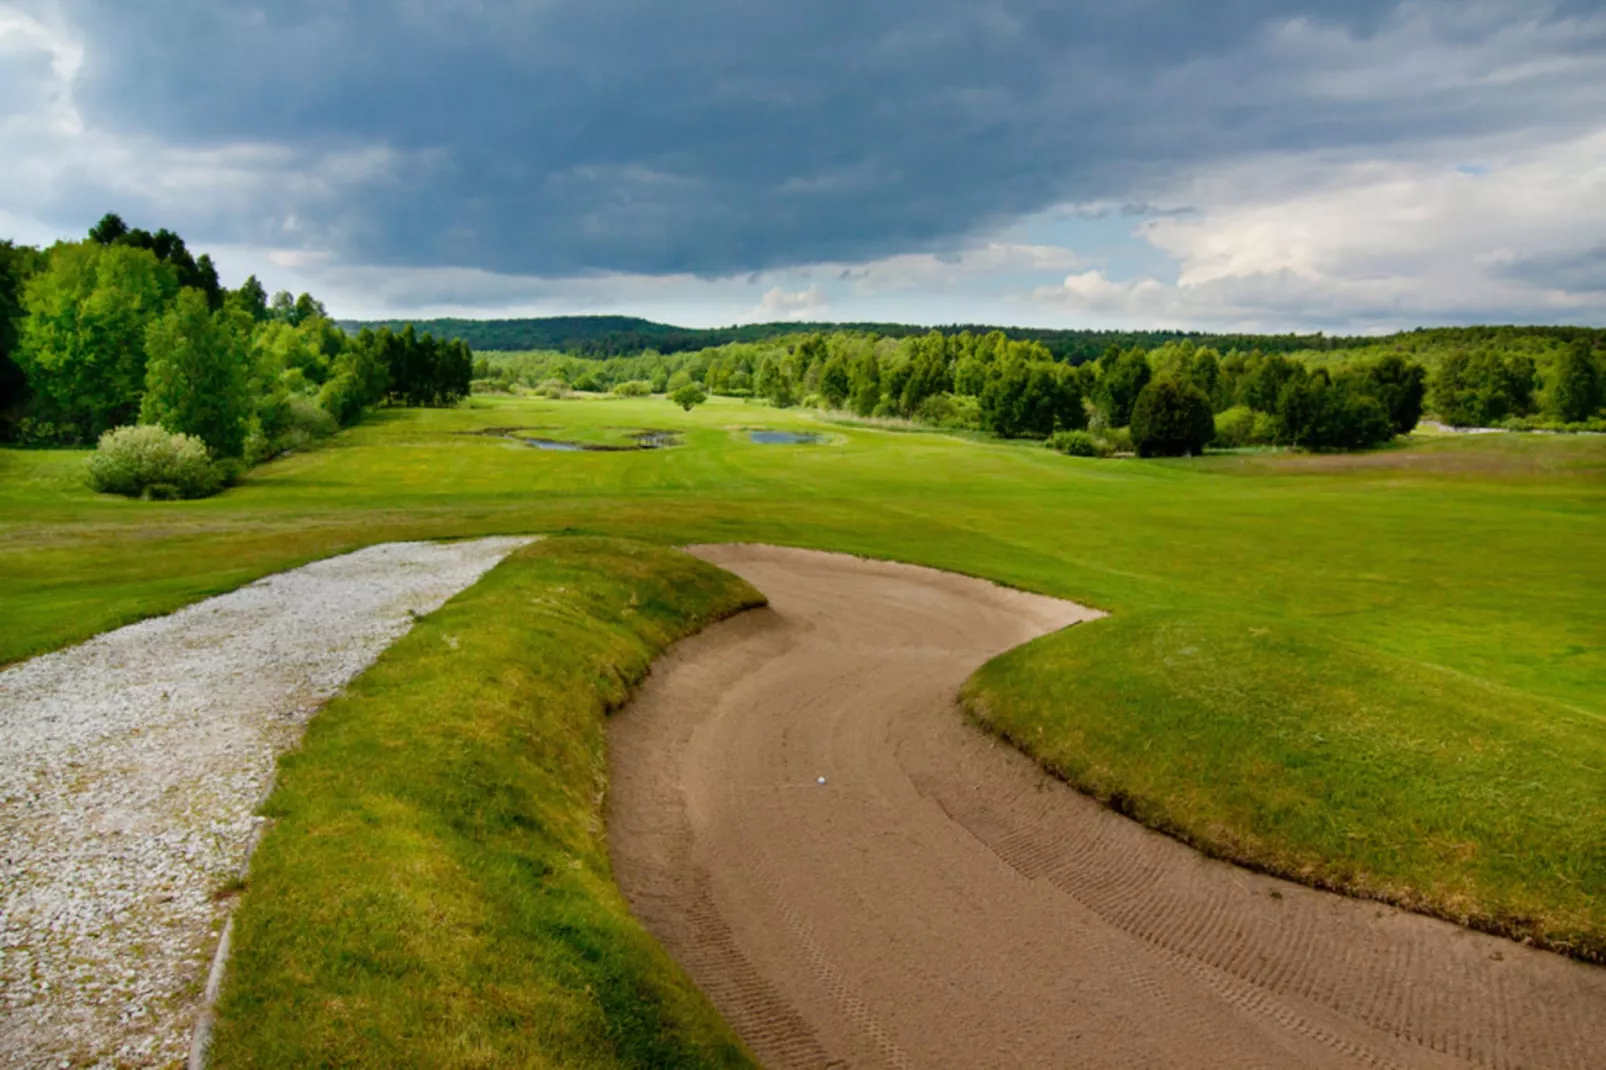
1171 418
689 396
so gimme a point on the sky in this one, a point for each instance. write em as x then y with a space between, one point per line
1352 167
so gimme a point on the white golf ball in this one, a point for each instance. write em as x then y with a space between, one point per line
820 781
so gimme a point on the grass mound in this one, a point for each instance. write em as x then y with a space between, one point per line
1364 773
436 891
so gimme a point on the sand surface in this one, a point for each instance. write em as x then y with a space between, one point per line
939 902
131 770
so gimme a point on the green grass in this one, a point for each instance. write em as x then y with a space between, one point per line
1386 673
435 891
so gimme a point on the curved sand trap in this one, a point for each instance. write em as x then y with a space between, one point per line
940 902
131 768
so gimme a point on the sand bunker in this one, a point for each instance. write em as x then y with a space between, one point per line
939 902
131 769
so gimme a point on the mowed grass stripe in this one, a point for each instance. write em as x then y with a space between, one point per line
435 890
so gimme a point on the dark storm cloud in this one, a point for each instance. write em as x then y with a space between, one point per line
557 137
1573 272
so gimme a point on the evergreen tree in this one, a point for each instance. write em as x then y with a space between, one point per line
1172 418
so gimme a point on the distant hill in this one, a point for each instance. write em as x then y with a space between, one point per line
616 336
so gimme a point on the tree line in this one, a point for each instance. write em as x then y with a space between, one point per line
1313 399
128 327
601 337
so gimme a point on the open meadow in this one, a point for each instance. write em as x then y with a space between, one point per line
1381 673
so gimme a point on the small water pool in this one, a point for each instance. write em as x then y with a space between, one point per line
784 438
549 444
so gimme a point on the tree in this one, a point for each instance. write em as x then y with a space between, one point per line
17 263
1025 397
689 396
251 299
169 248
109 229
1399 386
197 380
1171 418
834 383
1479 386
866 380
83 341
283 307
307 307
1319 413
1575 392
1122 379
1264 378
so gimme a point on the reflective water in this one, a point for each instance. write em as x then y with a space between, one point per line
782 438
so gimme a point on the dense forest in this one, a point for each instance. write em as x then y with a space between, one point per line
1197 394
620 336
129 328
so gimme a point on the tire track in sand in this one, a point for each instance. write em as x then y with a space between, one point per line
940 902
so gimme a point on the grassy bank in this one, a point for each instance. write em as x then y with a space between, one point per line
435 890
1383 672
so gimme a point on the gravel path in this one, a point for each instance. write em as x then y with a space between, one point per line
131 770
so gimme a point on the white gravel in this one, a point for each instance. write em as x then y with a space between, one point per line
131 770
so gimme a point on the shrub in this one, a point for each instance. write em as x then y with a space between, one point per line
341 398
1115 440
1171 418
148 461
953 411
634 388
1242 426
1235 427
1074 443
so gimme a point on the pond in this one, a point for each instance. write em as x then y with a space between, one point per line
784 438
624 439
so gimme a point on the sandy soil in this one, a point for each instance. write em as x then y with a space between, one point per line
939 902
131 769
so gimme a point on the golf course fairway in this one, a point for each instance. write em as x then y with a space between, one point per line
1378 673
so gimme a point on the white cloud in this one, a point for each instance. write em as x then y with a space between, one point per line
779 305
1296 240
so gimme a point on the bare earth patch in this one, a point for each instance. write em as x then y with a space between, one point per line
131 770
937 901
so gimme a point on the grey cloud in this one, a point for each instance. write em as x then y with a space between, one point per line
566 137
1572 272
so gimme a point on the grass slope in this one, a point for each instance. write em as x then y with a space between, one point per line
1385 672
435 891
